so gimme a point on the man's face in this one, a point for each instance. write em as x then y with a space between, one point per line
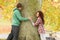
20 8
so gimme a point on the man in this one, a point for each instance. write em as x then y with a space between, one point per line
16 20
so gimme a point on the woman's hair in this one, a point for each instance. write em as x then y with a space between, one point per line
19 5
41 15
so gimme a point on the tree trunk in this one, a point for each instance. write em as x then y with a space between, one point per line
27 30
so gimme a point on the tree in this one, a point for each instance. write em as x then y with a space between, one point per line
27 30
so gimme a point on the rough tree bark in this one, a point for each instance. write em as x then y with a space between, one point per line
27 30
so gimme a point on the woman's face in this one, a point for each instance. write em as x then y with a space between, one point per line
37 14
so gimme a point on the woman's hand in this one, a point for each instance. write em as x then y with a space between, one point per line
30 18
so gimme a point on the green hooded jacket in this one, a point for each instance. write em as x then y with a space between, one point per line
17 18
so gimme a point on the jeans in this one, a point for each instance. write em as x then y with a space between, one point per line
14 33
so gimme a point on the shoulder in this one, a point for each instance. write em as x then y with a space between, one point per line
39 19
16 11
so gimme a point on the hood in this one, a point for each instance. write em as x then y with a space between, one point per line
15 9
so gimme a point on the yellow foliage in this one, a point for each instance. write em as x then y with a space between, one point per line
52 16
51 13
7 6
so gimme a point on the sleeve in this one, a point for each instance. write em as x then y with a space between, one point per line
18 15
36 23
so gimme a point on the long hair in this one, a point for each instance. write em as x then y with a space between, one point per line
41 15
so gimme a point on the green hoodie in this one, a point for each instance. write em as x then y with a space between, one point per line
17 18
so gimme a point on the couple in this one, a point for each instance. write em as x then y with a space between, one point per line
17 18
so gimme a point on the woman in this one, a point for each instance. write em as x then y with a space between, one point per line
40 24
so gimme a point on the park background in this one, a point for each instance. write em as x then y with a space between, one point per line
50 8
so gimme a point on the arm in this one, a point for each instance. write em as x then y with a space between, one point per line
32 22
36 23
18 15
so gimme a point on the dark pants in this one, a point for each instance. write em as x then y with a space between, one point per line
14 33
